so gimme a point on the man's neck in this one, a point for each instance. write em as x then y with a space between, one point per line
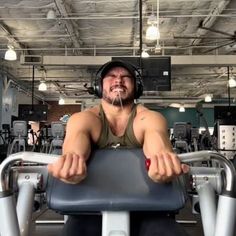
116 110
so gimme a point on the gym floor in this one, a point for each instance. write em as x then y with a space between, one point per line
191 222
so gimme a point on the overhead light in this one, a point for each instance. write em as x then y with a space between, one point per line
208 98
144 54
232 82
152 33
51 14
10 54
42 86
61 101
181 108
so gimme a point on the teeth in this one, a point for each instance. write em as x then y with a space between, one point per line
118 90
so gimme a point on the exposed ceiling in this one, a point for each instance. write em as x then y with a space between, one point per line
85 33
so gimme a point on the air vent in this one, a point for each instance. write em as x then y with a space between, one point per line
31 59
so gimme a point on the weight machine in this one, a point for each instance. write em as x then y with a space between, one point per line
117 183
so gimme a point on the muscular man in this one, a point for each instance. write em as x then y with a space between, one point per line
117 121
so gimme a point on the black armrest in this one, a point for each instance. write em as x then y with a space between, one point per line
117 181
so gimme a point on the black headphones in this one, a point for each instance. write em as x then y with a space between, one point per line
97 85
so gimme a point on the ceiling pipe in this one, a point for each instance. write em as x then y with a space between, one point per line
210 19
118 17
68 24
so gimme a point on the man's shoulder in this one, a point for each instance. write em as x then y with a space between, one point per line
144 111
141 109
86 115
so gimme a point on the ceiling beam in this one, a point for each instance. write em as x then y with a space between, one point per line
210 19
74 34
10 37
207 60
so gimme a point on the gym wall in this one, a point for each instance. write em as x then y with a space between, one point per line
190 115
56 111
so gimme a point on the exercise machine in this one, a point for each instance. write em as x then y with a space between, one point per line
117 183
20 134
181 137
58 133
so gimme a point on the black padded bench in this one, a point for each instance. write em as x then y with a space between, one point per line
117 182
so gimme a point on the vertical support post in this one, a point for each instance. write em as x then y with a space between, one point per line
225 219
24 207
207 207
115 223
9 224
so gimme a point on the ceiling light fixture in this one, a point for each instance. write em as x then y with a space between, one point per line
145 54
10 54
181 108
42 86
208 98
232 82
61 101
152 32
51 14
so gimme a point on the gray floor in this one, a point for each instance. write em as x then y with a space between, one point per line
192 223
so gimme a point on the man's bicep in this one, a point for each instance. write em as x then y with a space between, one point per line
156 134
155 122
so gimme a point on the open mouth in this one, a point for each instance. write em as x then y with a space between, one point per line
117 89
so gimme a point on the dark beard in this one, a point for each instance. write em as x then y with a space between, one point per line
116 102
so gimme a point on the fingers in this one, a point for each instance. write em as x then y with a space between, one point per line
165 167
185 168
69 168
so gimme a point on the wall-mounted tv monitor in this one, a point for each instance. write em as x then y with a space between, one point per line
37 112
224 112
156 71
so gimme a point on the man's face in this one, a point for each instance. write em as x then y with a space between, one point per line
118 87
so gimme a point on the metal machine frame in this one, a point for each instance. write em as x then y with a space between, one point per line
217 220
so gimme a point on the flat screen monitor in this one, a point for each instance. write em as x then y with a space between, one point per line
224 112
37 112
155 71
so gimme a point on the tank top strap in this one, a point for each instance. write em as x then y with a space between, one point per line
105 127
131 119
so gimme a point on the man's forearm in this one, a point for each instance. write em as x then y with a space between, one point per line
80 145
156 141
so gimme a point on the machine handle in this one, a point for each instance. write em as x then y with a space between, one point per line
190 157
34 157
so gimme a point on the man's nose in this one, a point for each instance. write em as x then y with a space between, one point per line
118 79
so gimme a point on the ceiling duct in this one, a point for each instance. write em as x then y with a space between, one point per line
31 59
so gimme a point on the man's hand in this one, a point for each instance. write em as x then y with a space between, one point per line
69 168
165 166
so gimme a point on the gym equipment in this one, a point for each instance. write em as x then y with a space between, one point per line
20 132
109 188
58 133
194 139
44 139
4 140
206 140
5 133
226 138
182 137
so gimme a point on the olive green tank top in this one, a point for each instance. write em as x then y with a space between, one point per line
108 140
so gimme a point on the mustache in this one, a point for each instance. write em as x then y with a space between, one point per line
117 87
